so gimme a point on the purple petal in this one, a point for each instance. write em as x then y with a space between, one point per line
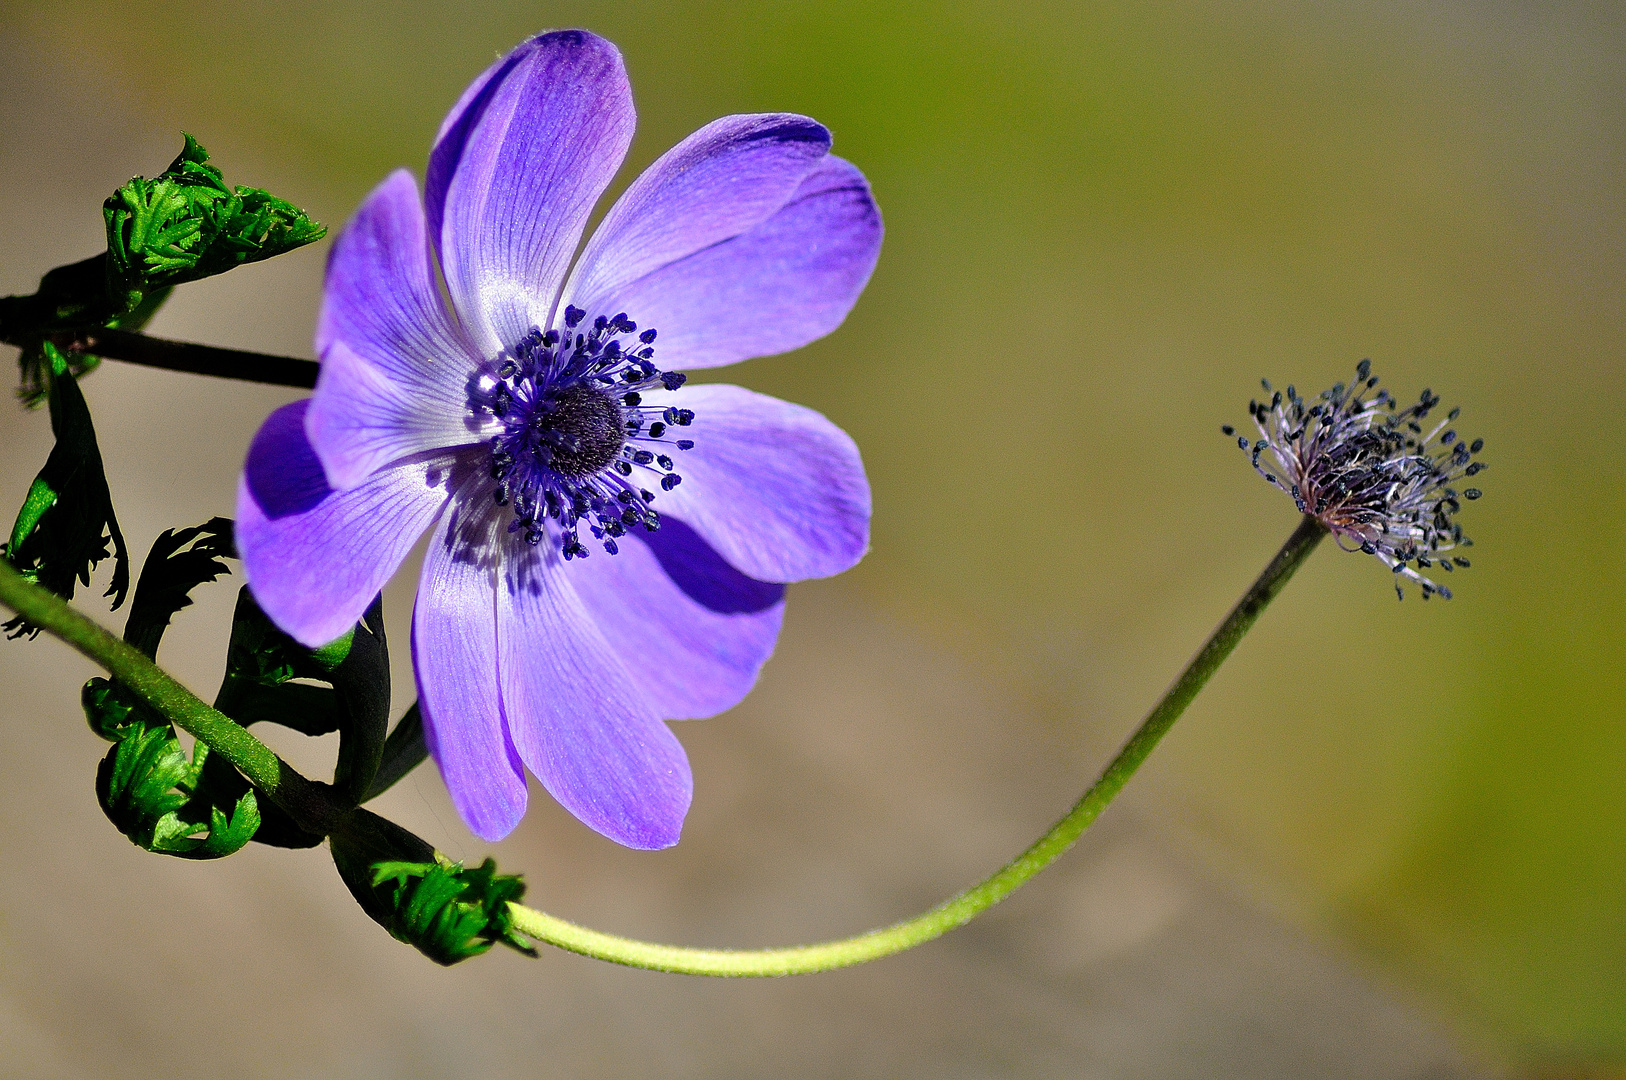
781 284
394 367
314 557
692 630
361 420
775 488
518 166
454 657
579 720
722 180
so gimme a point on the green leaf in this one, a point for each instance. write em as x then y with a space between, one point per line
271 678
180 560
67 522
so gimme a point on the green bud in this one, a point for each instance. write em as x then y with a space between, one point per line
443 910
153 793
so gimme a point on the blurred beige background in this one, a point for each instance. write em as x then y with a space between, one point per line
1389 841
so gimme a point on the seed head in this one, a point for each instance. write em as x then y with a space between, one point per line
1378 476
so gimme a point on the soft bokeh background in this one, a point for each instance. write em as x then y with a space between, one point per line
1389 840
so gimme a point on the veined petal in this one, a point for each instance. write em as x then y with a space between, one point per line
693 631
720 181
362 419
518 166
380 298
778 490
315 557
784 282
577 717
455 661
395 368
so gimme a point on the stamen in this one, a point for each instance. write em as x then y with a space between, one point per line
571 407
1367 471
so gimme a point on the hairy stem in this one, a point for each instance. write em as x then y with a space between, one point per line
156 352
960 909
305 800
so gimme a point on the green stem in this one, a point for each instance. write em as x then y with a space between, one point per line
960 909
305 800
315 810
156 352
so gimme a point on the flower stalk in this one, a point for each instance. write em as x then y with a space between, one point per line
315 809
962 908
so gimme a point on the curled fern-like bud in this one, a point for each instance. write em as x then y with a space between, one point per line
188 223
445 911
152 792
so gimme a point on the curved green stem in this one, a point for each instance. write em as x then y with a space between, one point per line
306 801
960 909
315 810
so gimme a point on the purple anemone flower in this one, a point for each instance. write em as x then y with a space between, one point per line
608 544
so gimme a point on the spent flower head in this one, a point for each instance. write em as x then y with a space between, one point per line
1380 477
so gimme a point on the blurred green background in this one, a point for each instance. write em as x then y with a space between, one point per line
1105 222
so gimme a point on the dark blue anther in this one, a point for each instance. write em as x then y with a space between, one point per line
664 462
647 337
673 379
632 398
1479 444
685 417
657 429
670 481
624 468
670 414
609 546
685 444
629 516
642 457
573 316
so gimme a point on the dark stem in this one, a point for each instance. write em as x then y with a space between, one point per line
155 352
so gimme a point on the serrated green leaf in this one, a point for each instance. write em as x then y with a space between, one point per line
180 560
67 520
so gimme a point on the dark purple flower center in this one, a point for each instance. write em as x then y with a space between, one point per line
576 444
583 425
